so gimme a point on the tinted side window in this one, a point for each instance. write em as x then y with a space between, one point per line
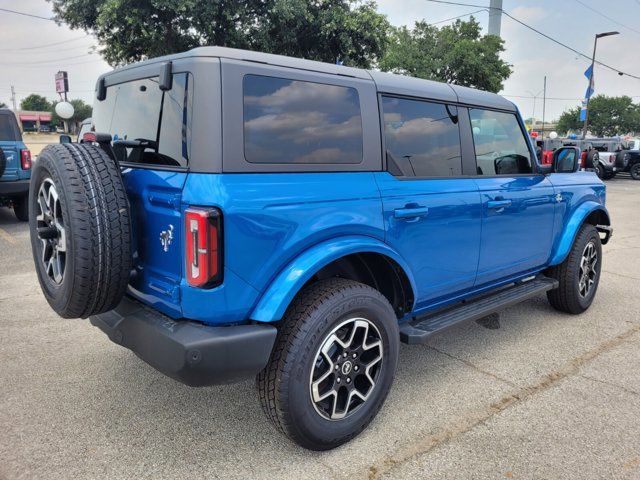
501 148
139 110
422 138
7 130
291 121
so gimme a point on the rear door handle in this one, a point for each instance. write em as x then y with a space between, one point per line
411 212
495 204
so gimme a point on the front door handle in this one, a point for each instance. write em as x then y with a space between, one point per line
411 212
496 204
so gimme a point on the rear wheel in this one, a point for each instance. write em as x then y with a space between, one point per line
333 364
635 171
80 229
579 274
21 208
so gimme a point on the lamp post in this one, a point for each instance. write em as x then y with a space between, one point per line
593 61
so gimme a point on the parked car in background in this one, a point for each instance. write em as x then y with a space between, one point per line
15 166
628 158
240 215
85 127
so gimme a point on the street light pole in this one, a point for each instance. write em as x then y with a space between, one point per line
593 62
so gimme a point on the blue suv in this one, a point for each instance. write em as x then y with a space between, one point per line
15 166
235 214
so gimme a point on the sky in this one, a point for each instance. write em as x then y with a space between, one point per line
32 50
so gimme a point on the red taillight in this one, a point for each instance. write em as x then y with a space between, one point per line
25 159
89 137
203 242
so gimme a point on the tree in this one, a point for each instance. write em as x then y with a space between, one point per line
456 53
81 111
3 105
36 103
132 30
608 116
569 121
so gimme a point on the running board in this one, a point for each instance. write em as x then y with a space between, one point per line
419 330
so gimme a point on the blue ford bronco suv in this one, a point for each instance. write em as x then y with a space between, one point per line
15 166
235 214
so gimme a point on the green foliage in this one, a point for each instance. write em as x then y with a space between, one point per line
608 116
132 30
456 53
35 102
81 111
569 121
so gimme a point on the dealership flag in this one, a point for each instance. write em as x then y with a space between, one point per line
583 111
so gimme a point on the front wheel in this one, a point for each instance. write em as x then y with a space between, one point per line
579 274
332 365
635 171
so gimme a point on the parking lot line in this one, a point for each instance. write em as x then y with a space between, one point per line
7 236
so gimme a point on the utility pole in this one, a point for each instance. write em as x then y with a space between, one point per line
13 98
544 103
495 17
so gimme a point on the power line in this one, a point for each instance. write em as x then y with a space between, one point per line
578 52
461 16
35 47
26 14
607 17
48 62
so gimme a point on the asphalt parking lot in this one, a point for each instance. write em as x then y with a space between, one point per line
546 395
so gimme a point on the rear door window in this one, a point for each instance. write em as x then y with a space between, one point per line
300 122
139 110
422 139
500 145
7 128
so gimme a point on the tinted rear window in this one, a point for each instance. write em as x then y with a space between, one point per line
290 121
140 110
7 128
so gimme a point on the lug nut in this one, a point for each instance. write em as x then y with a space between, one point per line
344 354
348 380
337 367
338 380
355 355
356 368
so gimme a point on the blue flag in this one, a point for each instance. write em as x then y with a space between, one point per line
587 95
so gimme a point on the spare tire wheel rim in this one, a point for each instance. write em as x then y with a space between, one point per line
588 271
346 368
51 231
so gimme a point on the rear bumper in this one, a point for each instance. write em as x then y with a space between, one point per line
14 188
195 354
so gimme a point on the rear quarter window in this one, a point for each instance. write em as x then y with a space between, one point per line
300 122
8 129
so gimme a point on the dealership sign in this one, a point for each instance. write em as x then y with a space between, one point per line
62 82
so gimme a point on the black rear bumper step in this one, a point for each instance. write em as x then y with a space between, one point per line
418 331
192 353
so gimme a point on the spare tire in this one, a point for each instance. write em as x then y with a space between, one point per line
80 229
3 162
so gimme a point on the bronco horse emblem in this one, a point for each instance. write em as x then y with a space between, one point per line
166 237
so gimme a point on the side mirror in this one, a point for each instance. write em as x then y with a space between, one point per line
566 160
65 139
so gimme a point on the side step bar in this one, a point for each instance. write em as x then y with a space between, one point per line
419 330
